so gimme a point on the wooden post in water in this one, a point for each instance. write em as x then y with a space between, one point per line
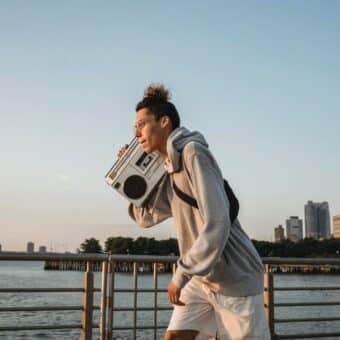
269 299
87 317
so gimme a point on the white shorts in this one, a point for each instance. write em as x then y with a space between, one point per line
232 318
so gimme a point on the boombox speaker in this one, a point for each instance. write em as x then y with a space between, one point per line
136 173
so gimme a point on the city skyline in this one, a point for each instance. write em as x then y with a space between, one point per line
294 232
279 233
30 247
318 225
294 228
336 226
317 220
259 80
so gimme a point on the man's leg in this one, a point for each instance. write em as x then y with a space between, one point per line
241 318
181 335
196 316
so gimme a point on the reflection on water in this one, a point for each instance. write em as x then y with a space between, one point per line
31 274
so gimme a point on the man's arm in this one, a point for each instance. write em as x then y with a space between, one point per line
208 189
156 209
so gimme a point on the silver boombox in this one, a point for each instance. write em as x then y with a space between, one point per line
136 173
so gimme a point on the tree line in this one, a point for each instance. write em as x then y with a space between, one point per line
128 245
150 246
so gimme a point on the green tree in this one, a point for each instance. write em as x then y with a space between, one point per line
168 247
119 245
307 247
141 246
91 245
262 247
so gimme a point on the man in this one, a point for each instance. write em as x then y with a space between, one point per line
218 283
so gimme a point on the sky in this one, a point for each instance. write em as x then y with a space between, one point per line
260 80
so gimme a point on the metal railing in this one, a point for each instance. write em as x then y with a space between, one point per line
87 290
271 266
109 308
107 292
135 290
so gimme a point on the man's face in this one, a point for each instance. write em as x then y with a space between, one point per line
151 134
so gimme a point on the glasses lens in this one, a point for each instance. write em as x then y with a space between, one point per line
139 125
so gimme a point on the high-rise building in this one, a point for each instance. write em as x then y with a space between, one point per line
42 249
317 220
294 228
30 247
279 233
336 226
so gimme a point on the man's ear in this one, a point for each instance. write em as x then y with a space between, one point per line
165 121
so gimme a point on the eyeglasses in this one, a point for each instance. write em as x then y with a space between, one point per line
140 124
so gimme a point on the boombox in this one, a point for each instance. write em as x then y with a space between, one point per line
136 173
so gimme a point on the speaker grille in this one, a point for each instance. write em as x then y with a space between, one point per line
135 187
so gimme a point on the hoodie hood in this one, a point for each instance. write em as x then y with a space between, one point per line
176 142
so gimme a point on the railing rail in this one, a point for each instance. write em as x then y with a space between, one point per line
270 266
108 289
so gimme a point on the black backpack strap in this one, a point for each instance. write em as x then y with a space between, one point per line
183 196
233 201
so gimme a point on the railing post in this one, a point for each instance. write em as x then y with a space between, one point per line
155 299
103 302
87 317
110 299
269 299
135 288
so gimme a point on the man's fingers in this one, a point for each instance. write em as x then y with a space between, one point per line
174 294
122 150
180 303
175 300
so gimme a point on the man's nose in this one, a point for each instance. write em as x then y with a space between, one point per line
137 133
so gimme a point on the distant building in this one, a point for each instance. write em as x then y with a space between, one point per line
279 233
42 249
0 248
30 247
317 220
294 228
336 226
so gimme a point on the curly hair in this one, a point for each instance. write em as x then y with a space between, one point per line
157 100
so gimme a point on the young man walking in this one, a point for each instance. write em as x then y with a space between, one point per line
218 283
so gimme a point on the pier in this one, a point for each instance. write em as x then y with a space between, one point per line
120 266
107 265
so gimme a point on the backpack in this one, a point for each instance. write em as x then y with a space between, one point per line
233 201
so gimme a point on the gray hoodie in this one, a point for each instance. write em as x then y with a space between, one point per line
212 250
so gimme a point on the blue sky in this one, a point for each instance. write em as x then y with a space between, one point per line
260 79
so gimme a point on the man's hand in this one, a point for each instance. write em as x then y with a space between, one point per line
174 294
122 151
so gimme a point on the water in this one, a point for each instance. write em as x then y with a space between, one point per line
31 274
